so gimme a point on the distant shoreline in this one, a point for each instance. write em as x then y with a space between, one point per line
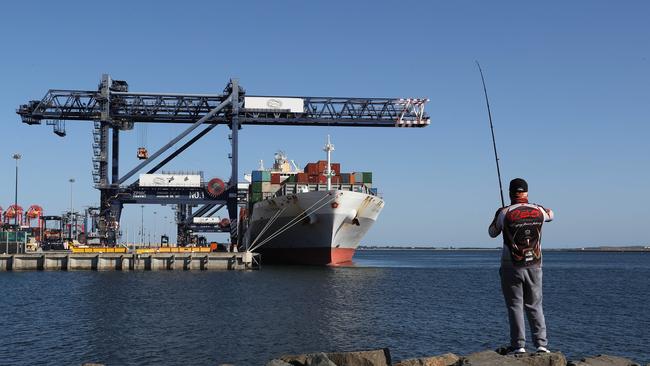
636 249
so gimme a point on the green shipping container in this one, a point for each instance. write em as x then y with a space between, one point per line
256 197
367 177
257 187
291 179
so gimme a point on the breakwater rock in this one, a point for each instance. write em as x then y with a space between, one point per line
382 357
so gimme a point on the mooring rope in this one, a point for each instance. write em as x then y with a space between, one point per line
268 224
295 220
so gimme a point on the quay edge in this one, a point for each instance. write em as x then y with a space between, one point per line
61 261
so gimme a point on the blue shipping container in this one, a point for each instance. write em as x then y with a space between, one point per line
261 176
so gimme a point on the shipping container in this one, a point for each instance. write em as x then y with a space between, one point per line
314 178
256 187
266 187
345 178
261 176
336 179
256 197
336 167
322 166
290 179
302 178
311 169
358 177
275 178
367 177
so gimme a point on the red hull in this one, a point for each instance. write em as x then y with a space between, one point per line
312 256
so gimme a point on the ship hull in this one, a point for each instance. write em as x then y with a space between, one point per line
317 228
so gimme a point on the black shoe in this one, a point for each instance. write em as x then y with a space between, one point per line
510 350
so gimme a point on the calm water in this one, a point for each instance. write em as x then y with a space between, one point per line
415 302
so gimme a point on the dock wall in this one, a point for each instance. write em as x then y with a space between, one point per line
57 261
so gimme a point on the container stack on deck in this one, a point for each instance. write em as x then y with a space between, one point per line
265 183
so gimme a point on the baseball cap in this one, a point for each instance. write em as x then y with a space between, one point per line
518 185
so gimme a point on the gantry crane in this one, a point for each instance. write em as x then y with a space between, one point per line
113 108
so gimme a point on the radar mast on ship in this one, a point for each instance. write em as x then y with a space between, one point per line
329 172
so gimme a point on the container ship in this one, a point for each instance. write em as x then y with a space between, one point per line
314 216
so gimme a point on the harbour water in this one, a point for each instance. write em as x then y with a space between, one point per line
414 302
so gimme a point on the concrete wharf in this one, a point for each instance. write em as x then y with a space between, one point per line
68 261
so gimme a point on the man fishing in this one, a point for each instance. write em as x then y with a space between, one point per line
521 265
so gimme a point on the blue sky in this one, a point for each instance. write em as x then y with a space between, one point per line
569 84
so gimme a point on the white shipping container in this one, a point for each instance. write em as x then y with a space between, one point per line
170 180
294 105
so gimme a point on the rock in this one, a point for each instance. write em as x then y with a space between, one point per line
380 357
490 358
448 359
361 358
277 362
319 359
603 360
309 359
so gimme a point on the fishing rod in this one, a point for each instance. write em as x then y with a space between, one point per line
494 144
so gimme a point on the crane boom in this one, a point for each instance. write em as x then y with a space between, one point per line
84 105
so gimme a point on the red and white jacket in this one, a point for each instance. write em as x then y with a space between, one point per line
521 224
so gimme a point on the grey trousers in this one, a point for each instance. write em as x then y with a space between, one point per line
522 290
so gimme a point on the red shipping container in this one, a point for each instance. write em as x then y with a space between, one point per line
302 178
336 167
322 179
336 179
311 169
275 178
322 166
314 178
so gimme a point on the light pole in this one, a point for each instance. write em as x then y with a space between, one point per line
16 157
71 180
154 227
142 225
